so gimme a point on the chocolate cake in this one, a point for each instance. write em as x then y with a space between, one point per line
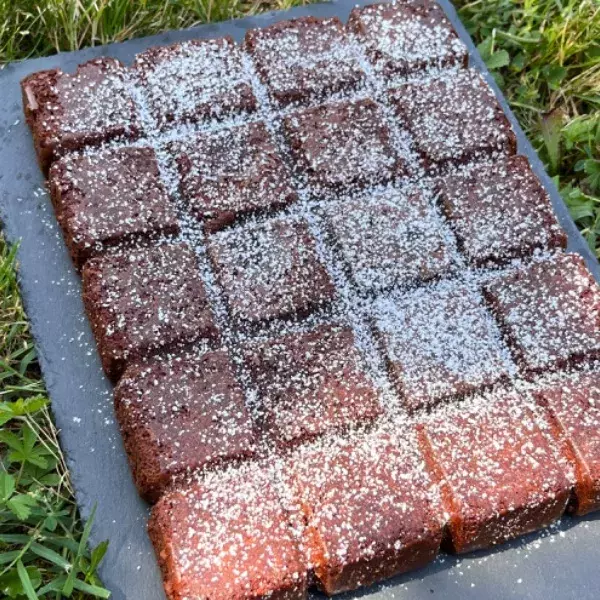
145 301
233 173
500 211
549 312
342 145
304 59
368 508
180 414
71 111
310 383
499 472
573 403
105 198
198 80
334 301
439 343
270 270
453 118
227 537
407 37
388 239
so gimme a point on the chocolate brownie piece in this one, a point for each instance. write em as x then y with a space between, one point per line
68 112
304 59
145 301
342 145
549 312
181 414
453 118
440 342
270 270
402 38
227 537
500 211
197 80
109 197
573 403
499 473
232 173
311 383
390 238
367 507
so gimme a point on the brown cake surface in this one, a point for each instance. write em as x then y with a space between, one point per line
335 303
227 538
368 508
390 238
270 270
500 211
343 145
197 80
549 312
499 472
70 111
179 414
304 59
310 383
440 342
405 37
573 402
453 118
145 301
232 173
109 197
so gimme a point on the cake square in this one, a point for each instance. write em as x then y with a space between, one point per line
367 506
311 383
453 118
194 81
144 301
404 38
180 414
225 537
305 59
390 238
233 173
549 312
440 342
500 211
270 270
343 145
500 474
70 111
109 197
573 403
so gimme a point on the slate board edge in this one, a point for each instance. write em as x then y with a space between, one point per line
127 574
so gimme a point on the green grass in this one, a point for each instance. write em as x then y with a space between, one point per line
545 55
43 550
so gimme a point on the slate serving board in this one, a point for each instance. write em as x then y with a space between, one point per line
560 563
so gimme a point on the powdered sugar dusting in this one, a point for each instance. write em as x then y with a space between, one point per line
306 292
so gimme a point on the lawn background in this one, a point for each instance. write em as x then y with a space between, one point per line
545 55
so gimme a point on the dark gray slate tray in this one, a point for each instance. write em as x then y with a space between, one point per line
562 563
